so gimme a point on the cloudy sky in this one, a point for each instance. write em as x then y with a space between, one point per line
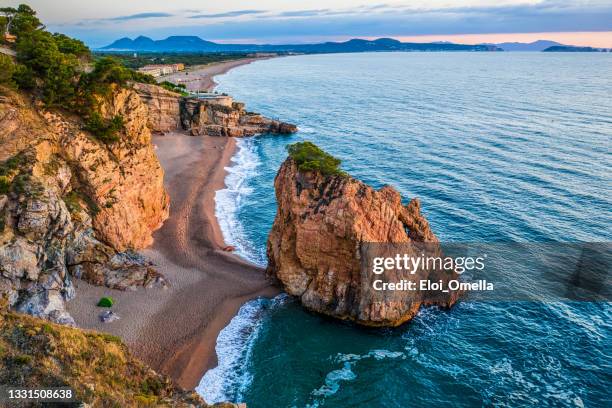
578 22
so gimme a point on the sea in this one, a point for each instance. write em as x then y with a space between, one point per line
499 147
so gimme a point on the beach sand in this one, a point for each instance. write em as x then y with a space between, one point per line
200 78
175 329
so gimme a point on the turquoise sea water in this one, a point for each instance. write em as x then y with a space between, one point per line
499 147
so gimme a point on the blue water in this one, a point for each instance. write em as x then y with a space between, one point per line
498 147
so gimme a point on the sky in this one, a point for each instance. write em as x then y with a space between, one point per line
575 22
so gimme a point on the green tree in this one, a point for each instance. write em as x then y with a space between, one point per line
310 157
38 52
7 70
67 45
24 19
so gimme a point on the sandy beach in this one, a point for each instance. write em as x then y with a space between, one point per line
200 78
175 329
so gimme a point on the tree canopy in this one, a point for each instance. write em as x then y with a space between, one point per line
53 68
310 157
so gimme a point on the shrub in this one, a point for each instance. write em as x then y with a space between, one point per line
103 129
5 184
22 359
181 88
106 301
309 157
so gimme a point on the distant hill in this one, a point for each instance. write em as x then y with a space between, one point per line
539 45
570 48
196 44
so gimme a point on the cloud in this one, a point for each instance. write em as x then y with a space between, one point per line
139 16
376 21
303 13
236 13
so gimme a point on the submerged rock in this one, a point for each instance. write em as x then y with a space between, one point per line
322 228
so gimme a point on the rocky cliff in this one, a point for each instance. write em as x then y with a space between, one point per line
203 117
320 236
72 205
217 115
163 107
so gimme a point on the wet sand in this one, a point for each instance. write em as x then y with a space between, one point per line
175 329
200 78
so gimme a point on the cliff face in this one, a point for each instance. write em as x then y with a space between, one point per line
319 237
71 205
163 107
217 116
202 117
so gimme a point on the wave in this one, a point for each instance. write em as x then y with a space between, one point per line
231 378
233 197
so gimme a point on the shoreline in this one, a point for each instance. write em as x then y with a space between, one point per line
201 77
175 329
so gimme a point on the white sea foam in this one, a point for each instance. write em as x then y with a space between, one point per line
231 377
229 200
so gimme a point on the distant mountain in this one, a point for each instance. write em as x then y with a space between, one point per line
196 44
539 45
570 48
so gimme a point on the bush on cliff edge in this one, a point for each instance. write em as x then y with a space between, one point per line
310 157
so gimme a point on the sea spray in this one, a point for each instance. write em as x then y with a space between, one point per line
230 200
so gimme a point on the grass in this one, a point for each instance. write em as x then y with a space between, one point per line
310 157
35 353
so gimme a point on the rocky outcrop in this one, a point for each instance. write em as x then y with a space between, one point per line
213 115
324 227
73 206
163 107
209 117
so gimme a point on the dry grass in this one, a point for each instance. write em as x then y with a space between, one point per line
98 366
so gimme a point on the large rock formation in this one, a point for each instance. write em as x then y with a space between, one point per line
324 227
163 107
210 117
71 205
213 115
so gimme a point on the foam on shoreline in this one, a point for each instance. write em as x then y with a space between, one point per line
231 378
233 197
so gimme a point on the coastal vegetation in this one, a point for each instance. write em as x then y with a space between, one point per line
98 367
310 157
139 60
178 88
62 73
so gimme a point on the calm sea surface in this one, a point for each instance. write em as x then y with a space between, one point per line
499 147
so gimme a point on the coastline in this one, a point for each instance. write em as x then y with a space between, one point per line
175 329
201 77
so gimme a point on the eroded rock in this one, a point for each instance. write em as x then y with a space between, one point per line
322 226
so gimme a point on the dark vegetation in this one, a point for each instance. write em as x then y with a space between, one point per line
178 88
53 67
310 157
139 60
